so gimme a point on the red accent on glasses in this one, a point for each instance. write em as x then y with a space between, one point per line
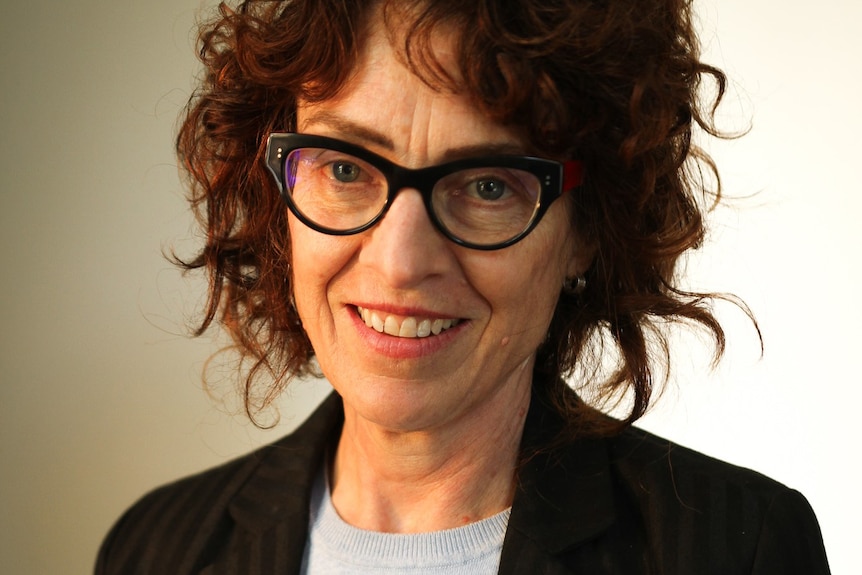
573 175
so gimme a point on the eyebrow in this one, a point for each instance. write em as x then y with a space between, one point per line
479 150
346 127
365 135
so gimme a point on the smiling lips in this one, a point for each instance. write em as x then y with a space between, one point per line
407 326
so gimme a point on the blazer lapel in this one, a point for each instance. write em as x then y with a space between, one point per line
564 499
271 511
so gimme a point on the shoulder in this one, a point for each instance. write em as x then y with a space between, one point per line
652 462
638 503
159 525
184 523
711 508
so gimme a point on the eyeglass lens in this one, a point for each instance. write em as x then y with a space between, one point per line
340 192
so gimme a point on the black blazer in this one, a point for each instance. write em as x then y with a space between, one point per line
633 504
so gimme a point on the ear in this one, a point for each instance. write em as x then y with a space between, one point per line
581 258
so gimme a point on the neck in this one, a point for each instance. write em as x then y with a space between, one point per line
418 481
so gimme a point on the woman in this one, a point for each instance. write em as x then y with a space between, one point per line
483 200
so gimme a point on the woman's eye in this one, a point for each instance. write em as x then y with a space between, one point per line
489 189
345 171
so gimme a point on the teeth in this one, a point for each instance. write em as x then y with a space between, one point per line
408 327
424 328
436 326
390 326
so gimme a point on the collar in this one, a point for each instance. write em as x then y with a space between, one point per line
563 498
279 489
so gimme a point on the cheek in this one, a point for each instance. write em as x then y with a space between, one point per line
544 268
316 260
520 287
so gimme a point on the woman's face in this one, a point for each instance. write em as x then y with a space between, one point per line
403 271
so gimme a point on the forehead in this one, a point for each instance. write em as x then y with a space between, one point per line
386 106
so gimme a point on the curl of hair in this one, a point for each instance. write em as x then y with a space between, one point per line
614 83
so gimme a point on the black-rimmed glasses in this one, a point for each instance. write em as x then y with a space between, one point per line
486 203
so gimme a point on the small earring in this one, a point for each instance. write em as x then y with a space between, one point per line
574 286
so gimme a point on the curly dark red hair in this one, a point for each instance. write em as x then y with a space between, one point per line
614 83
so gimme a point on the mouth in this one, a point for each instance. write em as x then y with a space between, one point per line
405 326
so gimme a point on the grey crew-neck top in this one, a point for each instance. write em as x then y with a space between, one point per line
334 547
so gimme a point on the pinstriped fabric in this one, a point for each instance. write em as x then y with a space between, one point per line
248 516
630 505
175 522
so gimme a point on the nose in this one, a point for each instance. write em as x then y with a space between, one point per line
404 247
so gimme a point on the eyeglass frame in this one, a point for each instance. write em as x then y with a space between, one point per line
555 179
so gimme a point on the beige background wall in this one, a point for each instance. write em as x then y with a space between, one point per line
99 387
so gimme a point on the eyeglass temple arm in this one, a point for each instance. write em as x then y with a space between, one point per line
573 175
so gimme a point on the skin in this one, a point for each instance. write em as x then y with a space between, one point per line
432 425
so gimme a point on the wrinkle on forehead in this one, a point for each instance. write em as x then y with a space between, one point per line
386 106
